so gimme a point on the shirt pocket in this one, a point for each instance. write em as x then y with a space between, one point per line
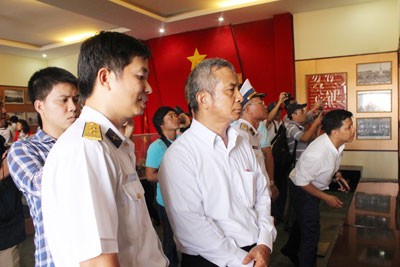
134 210
249 187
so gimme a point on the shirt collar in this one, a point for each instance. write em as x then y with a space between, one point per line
44 137
332 146
89 114
210 137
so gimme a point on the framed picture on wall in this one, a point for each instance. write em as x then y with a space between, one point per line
32 118
14 96
374 101
27 100
329 88
374 73
374 128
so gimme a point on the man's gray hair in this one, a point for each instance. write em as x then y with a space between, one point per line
202 78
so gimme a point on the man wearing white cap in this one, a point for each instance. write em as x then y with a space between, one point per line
254 112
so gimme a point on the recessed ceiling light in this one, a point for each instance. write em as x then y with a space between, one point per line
221 19
44 55
162 30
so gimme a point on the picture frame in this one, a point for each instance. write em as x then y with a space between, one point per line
27 100
374 128
329 88
14 96
32 118
374 101
374 73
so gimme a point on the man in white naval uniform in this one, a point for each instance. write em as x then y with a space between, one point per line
94 208
254 112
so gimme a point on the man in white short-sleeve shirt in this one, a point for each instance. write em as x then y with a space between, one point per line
311 176
94 209
215 194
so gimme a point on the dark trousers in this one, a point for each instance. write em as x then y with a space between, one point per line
278 206
199 261
304 236
150 196
168 243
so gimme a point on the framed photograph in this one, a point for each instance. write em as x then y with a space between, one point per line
329 88
374 128
32 118
20 115
374 73
374 101
14 96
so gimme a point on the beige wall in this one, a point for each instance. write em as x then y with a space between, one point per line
69 63
16 71
350 30
353 30
387 161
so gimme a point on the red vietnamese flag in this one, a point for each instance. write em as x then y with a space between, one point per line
171 63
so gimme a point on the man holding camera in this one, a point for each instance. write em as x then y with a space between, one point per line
296 132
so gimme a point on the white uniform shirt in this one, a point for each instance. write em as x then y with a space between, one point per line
317 164
216 197
93 201
246 130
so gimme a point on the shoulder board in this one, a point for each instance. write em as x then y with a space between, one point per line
244 126
92 131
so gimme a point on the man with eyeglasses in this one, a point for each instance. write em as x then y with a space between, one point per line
254 112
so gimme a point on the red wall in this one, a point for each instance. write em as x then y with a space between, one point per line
261 51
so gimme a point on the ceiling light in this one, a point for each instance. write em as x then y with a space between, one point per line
221 19
44 55
162 30
78 37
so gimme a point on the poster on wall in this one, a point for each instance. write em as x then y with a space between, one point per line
329 88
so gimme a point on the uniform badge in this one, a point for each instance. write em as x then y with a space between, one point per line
92 131
244 127
114 138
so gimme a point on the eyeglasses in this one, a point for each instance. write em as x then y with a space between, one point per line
256 103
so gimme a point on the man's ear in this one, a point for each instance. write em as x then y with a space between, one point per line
203 99
103 77
38 105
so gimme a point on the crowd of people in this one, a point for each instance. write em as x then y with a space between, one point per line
220 191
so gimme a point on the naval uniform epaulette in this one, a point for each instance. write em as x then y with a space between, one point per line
245 127
92 131
114 138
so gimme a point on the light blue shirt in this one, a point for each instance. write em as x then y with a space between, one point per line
155 153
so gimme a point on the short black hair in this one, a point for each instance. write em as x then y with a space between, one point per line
25 126
112 50
334 119
158 118
41 82
13 119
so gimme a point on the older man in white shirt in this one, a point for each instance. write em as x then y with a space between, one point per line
215 194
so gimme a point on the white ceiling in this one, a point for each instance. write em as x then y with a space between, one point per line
31 28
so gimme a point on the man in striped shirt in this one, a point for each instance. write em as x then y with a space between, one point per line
295 130
54 94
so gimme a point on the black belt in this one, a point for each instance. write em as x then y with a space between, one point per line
199 261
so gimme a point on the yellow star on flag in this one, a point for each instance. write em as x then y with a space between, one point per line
196 58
